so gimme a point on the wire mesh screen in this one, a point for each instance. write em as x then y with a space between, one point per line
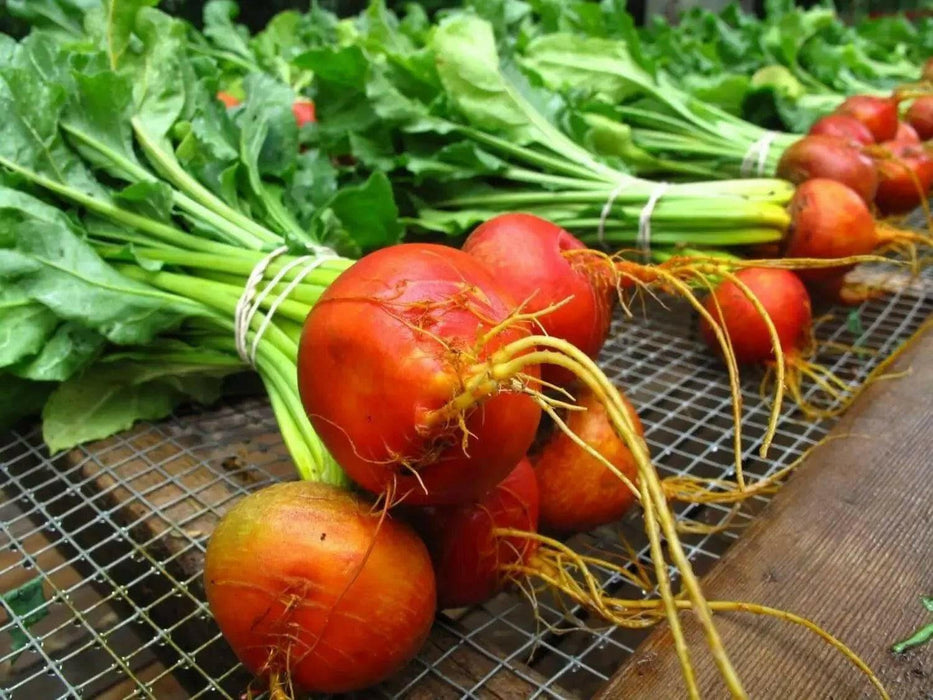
101 549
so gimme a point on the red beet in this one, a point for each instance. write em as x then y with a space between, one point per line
905 175
842 126
527 255
578 492
308 585
467 553
304 112
228 99
920 116
879 114
302 109
784 299
831 158
390 343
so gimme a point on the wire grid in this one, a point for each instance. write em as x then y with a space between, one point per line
115 533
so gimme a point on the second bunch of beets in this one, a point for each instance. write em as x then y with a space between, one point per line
865 145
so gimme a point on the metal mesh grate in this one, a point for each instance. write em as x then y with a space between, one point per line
101 549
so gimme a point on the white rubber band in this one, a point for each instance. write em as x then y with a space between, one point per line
249 302
643 241
607 208
315 262
243 303
757 155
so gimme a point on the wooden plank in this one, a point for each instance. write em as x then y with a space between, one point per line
848 542
169 491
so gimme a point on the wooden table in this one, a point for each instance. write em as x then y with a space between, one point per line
848 543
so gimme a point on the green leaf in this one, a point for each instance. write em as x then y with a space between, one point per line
21 399
151 199
346 66
394 107
120 19
779 79
97 120
25 325
269 147
64 17
220 28
110 397
368 214
726 91
268 134
612 138
468 65
28 603
69 350
375 149
286 35
312 185
49 262
452 223
29 135
461 160
210 148
589 65
157 73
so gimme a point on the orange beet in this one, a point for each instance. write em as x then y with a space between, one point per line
905 175
577 491
306 583
526 254
304 112
828 220
390 343
906 133
228 99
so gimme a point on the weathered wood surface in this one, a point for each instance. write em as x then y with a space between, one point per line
848 542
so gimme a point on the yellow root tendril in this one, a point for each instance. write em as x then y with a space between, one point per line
563 570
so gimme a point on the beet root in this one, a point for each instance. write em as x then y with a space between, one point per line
313 588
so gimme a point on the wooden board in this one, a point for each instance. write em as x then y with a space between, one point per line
848 542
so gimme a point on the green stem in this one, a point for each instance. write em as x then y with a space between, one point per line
304 293
747 236
921 636
136 173
536 158
170 168
217 295
533 176
237 262
222 55
163 232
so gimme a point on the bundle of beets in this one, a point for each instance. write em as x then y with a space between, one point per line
157 240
